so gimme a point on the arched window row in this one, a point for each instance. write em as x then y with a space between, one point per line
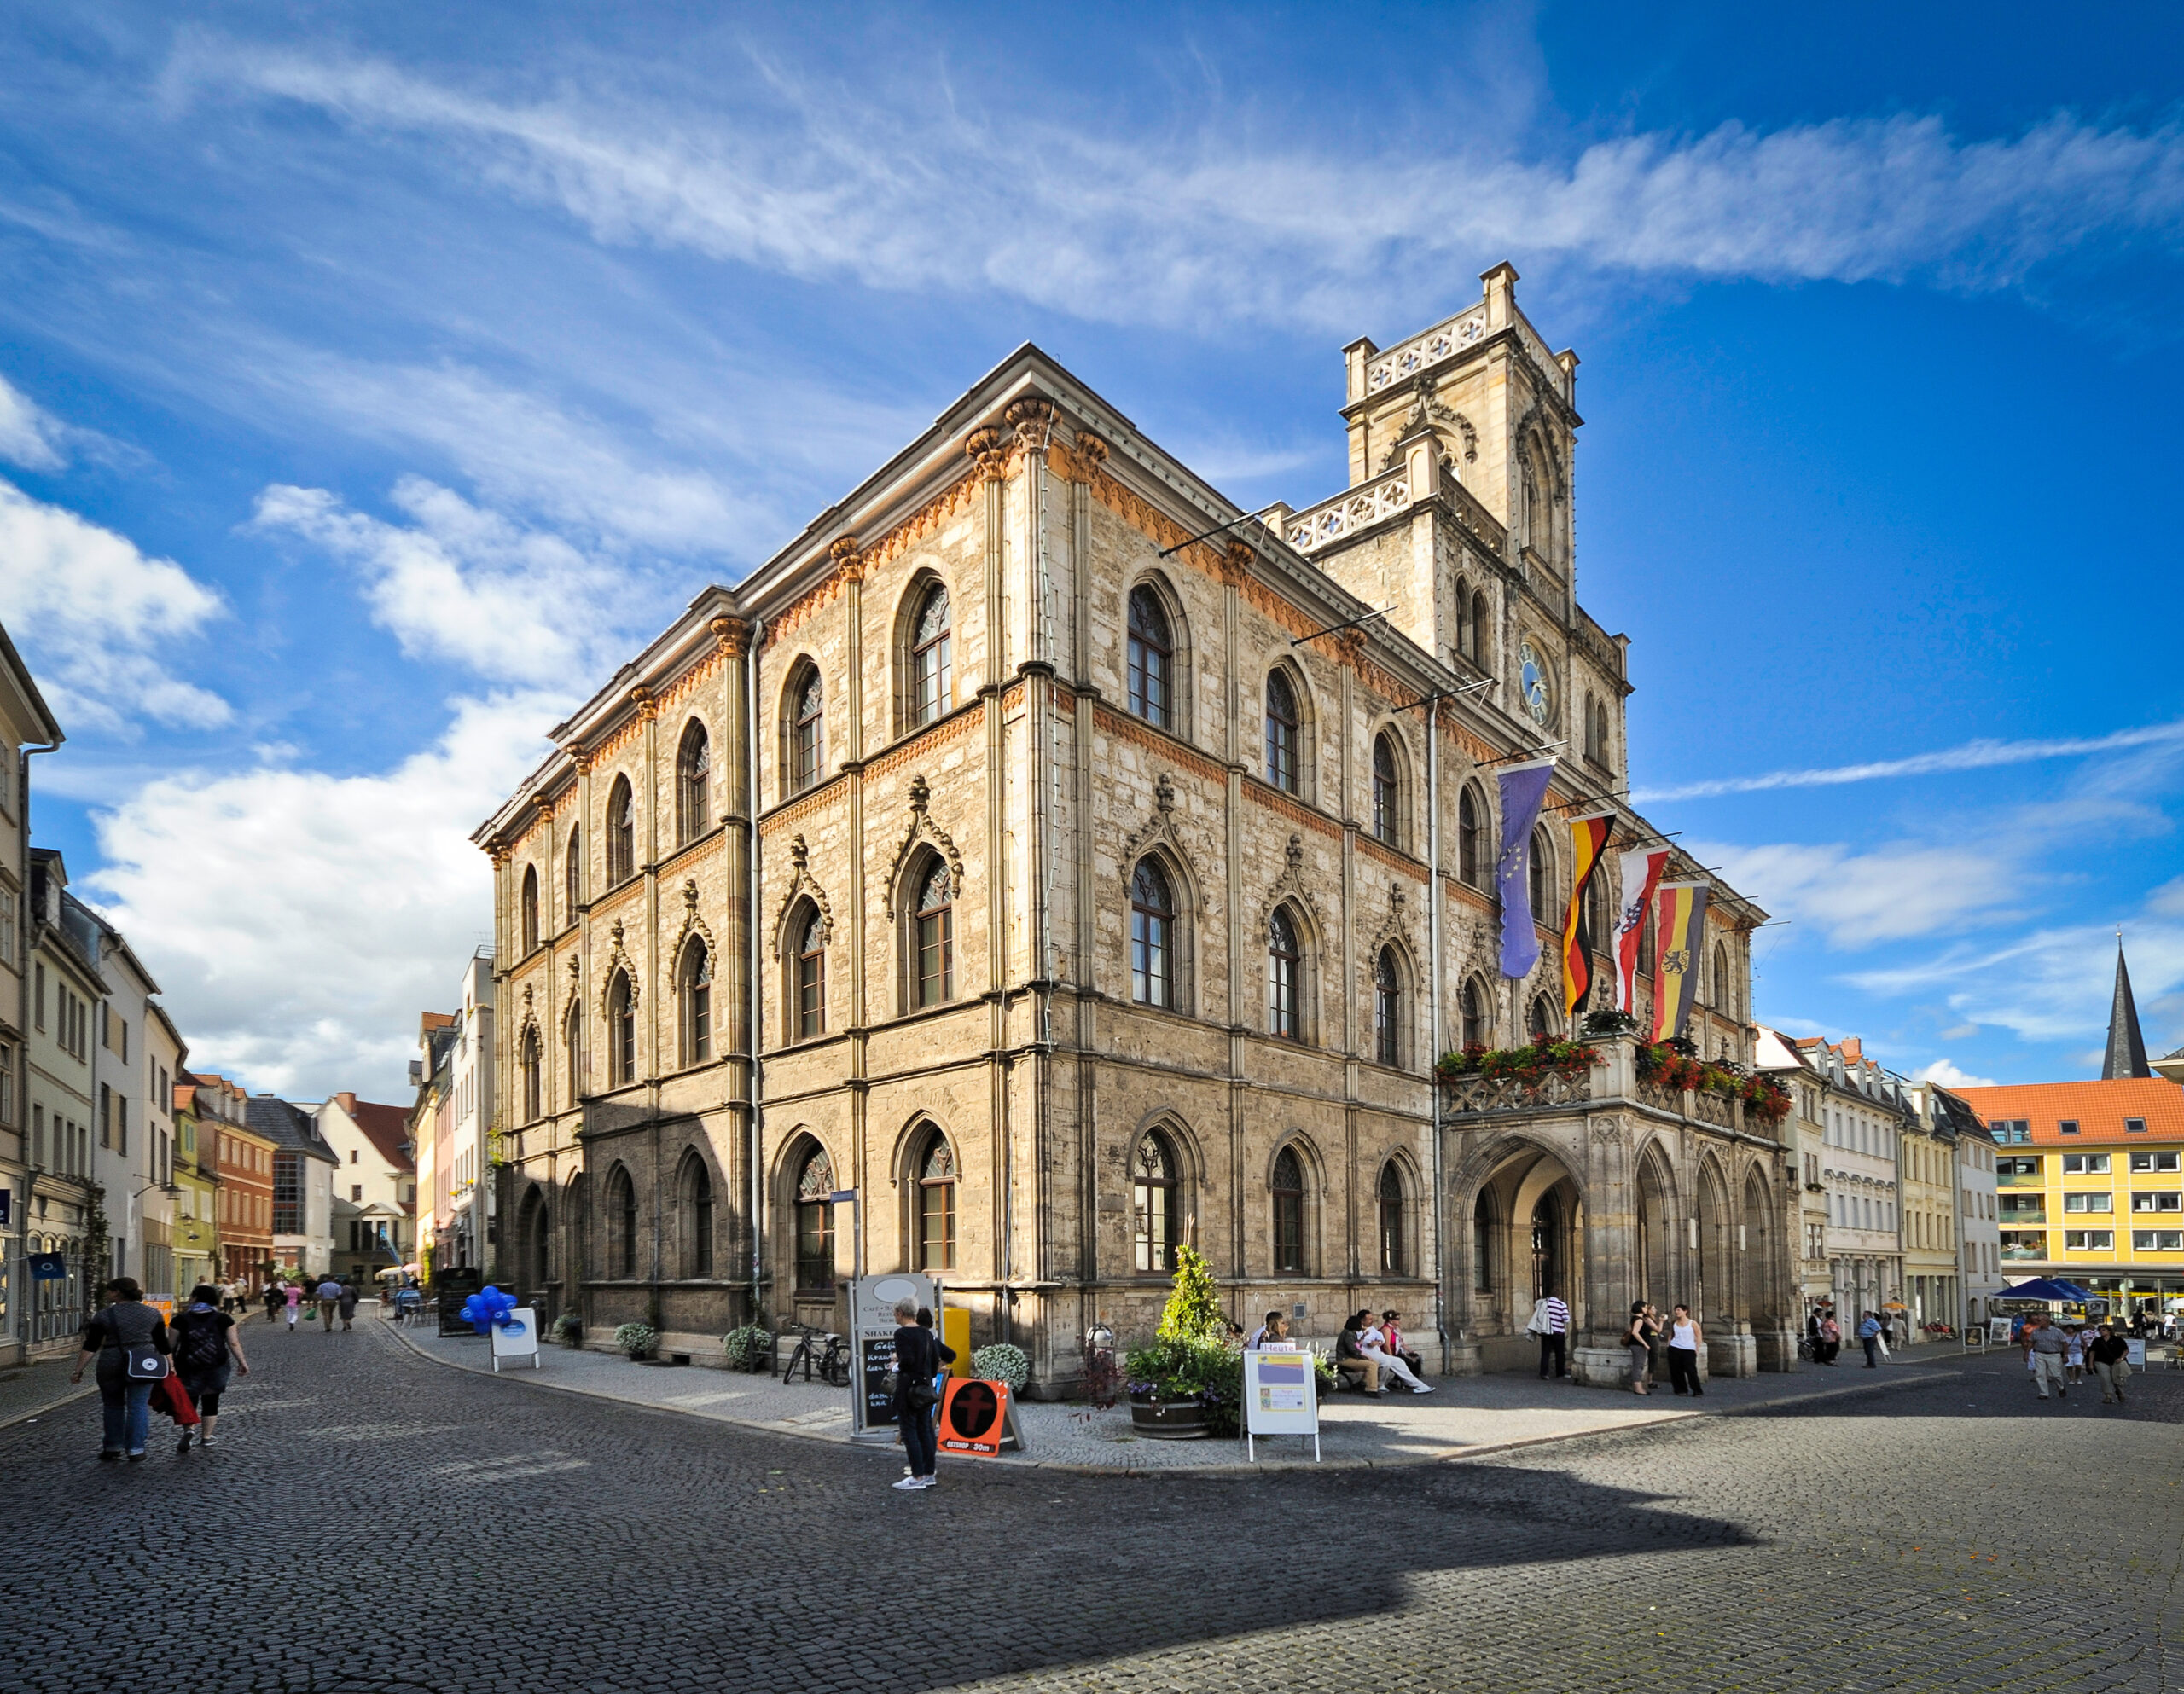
694 779
527 904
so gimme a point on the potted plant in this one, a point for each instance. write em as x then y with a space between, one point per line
1001 1363
1187 1384
637 1340
750 1347
568 1329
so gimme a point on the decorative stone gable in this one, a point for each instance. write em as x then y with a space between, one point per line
803 886
922 828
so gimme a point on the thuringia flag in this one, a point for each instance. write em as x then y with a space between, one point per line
1588 848
1641 869
1524 786
1680 933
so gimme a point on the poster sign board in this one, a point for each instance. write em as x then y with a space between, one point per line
518 1338
1998 1332
2137 1355
1282 1397
871 1325
978 1418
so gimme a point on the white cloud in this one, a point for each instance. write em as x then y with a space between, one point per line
525 452
914 190
2052 985
1856 899
466 584
299 921
100 622
1945 1073
1980 755
30 435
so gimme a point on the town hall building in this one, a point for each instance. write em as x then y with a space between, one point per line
1077 867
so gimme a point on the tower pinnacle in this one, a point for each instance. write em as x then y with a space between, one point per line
2127 1047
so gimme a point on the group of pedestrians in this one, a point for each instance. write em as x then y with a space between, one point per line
134 1348
332 1298
2058 1354
1823 1336
1685 1339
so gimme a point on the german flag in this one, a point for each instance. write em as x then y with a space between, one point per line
1588 846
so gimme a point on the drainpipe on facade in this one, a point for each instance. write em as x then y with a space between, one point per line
1433 1011
757 1018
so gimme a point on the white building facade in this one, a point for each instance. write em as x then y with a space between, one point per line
1863 1113
375 1188
469 1224
134 1164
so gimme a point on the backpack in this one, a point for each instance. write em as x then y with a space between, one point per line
203 1342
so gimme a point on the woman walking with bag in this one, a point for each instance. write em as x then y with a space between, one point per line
130 1341
206 1340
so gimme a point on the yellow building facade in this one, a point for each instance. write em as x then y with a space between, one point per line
2089 1181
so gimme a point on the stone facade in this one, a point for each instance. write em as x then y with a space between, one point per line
1059 839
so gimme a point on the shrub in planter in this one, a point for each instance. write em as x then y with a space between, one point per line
637 1340
1610 1023
568 1329
1001 1363
749 1349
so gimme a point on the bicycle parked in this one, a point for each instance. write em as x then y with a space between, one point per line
832 1360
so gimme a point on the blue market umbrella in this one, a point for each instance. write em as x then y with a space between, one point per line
2042 1288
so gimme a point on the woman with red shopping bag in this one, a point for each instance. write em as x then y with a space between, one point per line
208 1343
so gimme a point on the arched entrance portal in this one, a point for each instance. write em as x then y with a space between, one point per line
1527 1225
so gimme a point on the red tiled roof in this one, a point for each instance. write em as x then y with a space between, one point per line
2098 1108
386 1128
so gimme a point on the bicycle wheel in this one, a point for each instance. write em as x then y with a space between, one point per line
834 1368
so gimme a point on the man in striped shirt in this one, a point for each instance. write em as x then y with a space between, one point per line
1551 1324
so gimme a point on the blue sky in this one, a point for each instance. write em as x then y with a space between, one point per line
377 379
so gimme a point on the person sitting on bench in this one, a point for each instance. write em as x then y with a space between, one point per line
1350 1355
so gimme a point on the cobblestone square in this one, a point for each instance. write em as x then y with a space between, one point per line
374 1521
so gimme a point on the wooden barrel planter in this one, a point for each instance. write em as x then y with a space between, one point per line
1167 1420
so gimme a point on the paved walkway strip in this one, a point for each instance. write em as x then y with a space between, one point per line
1467 1417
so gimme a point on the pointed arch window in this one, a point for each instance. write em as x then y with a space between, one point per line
937 1205
1471 840
1482 1243
572 1049
1471 1006
933 927
529 904
814 1224
1645 948
572 876
1540 879
694 1195
1480 647
693 995
534 1079
621 1032
1725 992
810 975
1284 972
807 728
1152 935
929 666
1282 727
621 833
693 784
1387 1007
1542 1020
1387 791
622 1218
1466 638
1288 1196
1151 658
1152 1196
1394 1260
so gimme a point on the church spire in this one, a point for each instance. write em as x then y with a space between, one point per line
2127 1047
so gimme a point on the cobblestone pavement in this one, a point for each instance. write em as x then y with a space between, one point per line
372 1521
33 1390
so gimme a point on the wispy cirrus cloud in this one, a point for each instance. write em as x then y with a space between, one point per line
463 583
1980 755
1892 892
922 191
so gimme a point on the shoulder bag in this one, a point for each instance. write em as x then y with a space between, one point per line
143 1362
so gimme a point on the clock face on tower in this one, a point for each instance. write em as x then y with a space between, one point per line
1533 684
